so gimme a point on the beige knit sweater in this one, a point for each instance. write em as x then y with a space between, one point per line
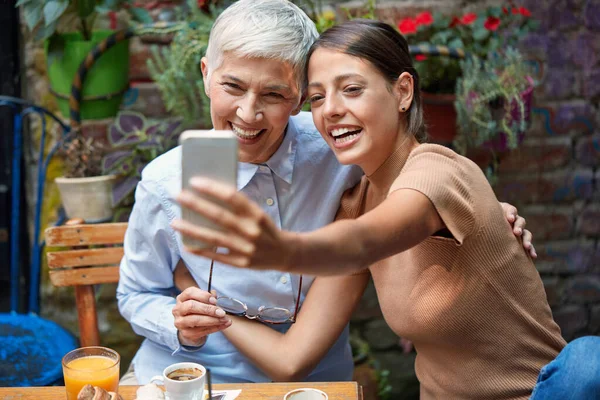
470 299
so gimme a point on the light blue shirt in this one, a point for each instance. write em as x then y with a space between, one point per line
300 188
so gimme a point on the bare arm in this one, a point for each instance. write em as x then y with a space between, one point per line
378 234
344 246
293 355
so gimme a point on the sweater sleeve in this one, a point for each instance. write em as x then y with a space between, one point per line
440 176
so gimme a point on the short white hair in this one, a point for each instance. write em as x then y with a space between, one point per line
269 29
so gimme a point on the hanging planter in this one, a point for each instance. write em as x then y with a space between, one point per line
493 102
520 114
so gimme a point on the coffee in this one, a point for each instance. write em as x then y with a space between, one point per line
185 374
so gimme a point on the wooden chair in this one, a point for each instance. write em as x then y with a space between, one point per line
92 256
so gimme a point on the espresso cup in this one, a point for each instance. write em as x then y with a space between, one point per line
183 381
306 394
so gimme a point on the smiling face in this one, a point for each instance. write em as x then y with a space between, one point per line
254 98
355 108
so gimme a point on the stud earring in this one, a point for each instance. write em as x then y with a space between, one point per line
403 108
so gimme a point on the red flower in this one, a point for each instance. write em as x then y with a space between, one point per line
515 10
424 18
201 3
455 21
420 57
491 23
468 19
407 26
524 12
505 10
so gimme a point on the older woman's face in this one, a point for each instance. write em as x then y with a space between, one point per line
353 108
254 98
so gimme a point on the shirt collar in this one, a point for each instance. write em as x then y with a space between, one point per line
281 162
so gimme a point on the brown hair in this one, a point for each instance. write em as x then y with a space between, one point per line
386 50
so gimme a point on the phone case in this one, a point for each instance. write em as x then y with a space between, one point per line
210 154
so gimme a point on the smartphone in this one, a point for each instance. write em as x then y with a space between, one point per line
211 154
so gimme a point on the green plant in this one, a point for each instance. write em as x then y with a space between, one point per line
176 68
492 99
326 18
82 156
135 142
480 34
361 353
47 19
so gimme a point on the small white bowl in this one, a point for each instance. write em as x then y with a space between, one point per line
306 394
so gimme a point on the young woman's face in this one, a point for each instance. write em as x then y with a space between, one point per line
354 108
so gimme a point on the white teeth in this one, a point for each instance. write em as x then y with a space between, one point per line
341 131
346 138
244 133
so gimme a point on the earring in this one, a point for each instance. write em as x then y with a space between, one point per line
403 108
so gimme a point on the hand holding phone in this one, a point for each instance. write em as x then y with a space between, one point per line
210 154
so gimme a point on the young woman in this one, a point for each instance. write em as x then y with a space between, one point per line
449 274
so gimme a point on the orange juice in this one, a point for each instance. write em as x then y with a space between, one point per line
96 370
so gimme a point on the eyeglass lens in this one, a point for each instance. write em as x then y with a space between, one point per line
267 314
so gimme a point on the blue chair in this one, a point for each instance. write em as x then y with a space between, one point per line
31 348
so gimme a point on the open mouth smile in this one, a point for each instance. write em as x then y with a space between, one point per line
246 135
344 136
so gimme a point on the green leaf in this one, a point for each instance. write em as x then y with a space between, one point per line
480 34
44 32
495 12
32 13
85 8
56 48
494 44
141 15
21 2
457 43
108 5
53 10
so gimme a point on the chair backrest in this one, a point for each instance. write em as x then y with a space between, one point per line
90 254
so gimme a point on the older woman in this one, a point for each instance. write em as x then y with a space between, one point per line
449 273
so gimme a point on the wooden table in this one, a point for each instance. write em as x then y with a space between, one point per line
250 391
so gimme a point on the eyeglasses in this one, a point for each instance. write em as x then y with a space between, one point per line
269 315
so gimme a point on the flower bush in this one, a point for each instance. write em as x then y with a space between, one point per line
481 34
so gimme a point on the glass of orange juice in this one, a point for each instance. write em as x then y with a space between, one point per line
98 366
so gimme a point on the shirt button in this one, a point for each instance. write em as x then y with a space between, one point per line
283 279
264 169
270 201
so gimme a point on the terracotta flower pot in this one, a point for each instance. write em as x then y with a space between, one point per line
440 117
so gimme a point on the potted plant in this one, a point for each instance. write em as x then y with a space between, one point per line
481 34
493 103
135 142
67 29
84 191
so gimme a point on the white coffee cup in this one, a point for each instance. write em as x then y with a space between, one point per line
182 390
306 394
